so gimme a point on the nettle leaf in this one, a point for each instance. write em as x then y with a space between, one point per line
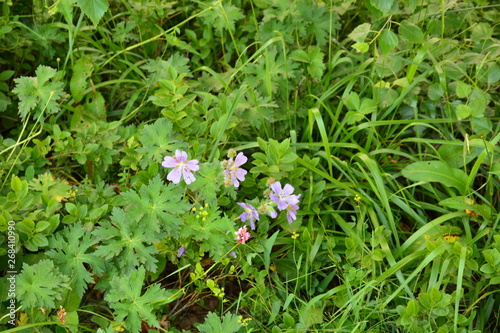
383 5
71 250
130 306
39 93
125 240
157 141
40 285
156 207
94 9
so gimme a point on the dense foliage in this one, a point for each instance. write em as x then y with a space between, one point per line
250 166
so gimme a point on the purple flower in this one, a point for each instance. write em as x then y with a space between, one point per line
291 212
283 197
250 214
243 235
233 170
181 251
182 167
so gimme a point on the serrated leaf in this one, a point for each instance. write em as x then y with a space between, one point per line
157 207
94 9
40 285
387 41
411 32
436 171
213 324
352 101
126 240
72 250
130 305
38 93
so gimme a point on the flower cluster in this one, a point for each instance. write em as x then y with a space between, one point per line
279 197
61 313
243 235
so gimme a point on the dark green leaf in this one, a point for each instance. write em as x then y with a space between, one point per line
411 32
387 41
94 9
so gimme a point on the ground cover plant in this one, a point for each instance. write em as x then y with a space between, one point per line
250 166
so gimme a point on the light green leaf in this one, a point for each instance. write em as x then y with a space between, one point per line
436 171
361 47
463 89
387 41
360 32
463 111
94 9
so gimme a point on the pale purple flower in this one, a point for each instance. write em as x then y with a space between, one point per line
182 167
291 212
181 251
233 170
250 214
283 196
243 235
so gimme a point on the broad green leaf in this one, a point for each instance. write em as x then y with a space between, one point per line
387 41
436 171
411 32
463 111
94 9
435 92
477 102
360 32
463 89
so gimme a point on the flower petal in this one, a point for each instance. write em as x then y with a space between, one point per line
240 160
193 165
188 176
169 162
181 155
276 187
288 189
175 175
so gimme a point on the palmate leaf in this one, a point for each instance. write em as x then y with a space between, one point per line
156 207
223 16
157 141
71 251
40 285
39 93
125 297
125 240
230 323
